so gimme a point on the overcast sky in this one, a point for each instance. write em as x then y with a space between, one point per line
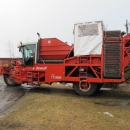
20 20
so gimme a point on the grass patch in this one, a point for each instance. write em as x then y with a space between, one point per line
59 108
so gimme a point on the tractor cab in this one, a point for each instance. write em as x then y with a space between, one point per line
28 53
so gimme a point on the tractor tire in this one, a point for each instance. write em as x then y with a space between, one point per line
89 91
9 81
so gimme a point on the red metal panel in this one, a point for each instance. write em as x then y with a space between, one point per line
54 73
53 48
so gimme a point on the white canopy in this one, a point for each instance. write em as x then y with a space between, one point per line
88 38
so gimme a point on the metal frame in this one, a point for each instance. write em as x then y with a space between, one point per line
74 69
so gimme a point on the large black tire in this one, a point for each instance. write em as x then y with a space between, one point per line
9 81
89 91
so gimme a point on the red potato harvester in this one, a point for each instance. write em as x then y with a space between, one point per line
96 57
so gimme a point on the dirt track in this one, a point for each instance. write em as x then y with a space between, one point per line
8 97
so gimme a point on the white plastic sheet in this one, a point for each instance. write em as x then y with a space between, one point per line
88 38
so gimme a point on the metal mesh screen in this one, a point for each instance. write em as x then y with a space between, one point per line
88 30
113 33
112 60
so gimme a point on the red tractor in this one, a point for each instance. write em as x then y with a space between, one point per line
96 57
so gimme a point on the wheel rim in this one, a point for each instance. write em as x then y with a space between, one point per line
84 86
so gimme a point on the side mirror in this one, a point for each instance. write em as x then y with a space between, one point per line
19 48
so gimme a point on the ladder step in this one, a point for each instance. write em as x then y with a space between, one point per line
17 74
83 72
29 72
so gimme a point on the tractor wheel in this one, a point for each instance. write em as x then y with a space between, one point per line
85 88
9 81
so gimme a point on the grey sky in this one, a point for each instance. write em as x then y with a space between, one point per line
20 20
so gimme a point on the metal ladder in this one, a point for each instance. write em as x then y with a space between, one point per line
29 78
82 72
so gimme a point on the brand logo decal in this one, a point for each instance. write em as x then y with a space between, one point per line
49 41
56 77
41 68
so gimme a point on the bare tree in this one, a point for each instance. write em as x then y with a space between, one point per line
10 49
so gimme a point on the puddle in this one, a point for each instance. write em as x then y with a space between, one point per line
26 87
107 89
114 103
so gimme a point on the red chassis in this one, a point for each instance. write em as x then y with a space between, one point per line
85 72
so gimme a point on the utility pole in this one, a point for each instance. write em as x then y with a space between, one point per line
127 26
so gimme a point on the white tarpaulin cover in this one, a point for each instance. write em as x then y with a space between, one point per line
88 38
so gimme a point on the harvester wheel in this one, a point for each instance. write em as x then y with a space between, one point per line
85 88
9 81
